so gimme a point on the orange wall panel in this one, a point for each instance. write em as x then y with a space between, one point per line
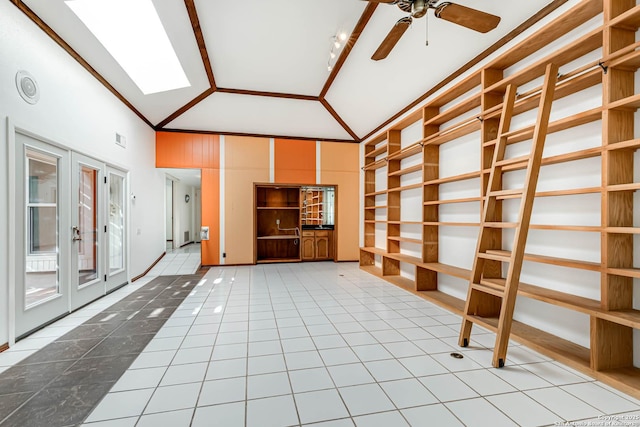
294 161
187 150
197 151
246 161
211 215
340 166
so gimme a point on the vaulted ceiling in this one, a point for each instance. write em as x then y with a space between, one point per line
259 67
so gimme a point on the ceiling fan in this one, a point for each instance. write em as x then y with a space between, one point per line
473 19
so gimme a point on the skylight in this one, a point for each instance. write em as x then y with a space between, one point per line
132 33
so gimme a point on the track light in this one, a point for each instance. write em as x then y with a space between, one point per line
337 41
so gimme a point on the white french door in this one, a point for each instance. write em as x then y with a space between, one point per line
87 221
115 230
42 236
70 231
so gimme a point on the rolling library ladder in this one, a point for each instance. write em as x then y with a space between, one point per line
490 296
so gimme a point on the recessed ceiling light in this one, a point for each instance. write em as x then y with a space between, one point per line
132 33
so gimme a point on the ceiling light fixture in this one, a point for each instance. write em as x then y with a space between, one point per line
337 41
131 31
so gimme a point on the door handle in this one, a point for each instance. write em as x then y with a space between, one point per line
76 234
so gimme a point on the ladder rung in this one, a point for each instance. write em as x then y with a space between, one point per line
487 323
514 161
488 289
491 255
526 131
500 224
504 194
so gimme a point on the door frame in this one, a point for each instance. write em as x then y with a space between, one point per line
13 234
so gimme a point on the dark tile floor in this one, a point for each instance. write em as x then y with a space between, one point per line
61 384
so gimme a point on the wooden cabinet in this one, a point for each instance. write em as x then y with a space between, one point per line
277 223
308 246
317 245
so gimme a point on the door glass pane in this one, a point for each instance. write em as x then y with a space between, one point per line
116 223
88 225
41 277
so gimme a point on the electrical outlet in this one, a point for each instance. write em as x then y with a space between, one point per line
277 222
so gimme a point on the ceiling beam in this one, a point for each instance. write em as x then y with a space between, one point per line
337 117
184 109
75 55
256 135
267 94
197 32
355 35
493 48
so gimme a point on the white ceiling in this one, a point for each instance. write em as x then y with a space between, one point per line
261 50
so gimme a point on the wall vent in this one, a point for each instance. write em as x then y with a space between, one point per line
186 236
121 140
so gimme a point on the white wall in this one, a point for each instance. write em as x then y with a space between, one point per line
78 112
183 213
169 210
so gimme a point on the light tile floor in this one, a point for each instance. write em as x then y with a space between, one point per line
327 344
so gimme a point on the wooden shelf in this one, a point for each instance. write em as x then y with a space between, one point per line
279 208
624 187
568 53
405 239
376 193
452 224
279 237
406 171
632 144
377 151
407 152
376 207
405 188
454 178
630 103
378 164
543 259
630 20
455 111
451 201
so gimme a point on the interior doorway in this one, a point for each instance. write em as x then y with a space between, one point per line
183 207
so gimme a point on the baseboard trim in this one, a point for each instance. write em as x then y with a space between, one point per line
149 269
187 243
4 347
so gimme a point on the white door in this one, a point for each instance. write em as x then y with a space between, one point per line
115 230
43 233
87 218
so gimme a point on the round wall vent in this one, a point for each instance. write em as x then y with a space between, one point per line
27 87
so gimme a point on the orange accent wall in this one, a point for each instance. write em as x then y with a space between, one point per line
197 151
187 150
294 161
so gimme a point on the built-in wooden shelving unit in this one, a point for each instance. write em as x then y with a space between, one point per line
473 106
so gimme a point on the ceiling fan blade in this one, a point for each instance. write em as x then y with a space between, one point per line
473 19
392 38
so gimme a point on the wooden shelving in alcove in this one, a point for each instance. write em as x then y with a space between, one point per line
453 114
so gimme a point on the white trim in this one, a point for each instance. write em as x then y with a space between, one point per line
272 160
222 199
11 232
318 162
